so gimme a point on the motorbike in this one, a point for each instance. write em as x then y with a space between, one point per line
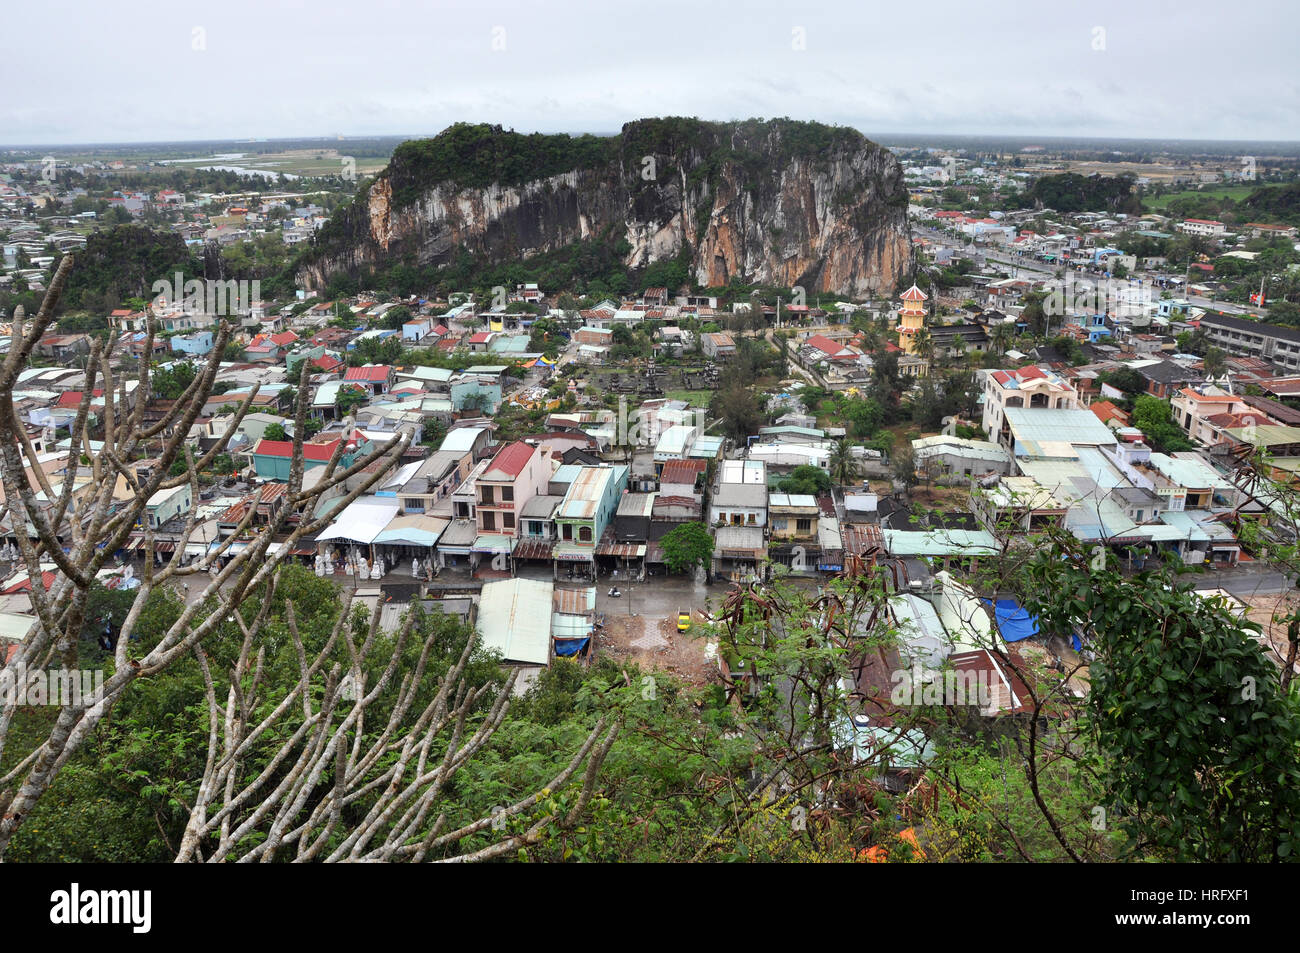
614 592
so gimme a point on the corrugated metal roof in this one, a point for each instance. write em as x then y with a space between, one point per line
413 530
585 493
514 618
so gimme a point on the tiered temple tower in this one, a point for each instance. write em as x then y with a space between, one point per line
911 319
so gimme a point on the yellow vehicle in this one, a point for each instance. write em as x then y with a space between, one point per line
683 620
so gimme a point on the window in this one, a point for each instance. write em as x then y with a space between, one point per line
803 526
507 520
485 495
567 531
507 494
584 534
489 520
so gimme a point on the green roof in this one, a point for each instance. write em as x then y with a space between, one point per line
940 542
1267 435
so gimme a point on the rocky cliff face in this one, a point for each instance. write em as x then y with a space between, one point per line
777 203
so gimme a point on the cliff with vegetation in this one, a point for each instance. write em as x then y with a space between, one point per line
776 203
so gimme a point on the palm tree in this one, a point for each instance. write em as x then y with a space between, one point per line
923 345
998 339
843 465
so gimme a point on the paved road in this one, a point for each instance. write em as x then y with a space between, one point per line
982 255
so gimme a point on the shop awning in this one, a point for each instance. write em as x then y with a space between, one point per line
493 544
362 520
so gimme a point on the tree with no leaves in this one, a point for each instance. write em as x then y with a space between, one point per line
325 789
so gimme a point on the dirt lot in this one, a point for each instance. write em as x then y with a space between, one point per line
941 497
655 643
1261 609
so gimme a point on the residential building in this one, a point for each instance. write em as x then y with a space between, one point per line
586 511
517 473
1027 387
1201 226
740 494
1194 408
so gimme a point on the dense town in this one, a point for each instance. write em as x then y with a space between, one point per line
583 521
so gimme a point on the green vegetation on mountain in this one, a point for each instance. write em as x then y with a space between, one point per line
124 262
1071 192
469 155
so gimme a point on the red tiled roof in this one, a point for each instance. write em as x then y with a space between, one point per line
1209 399
47 580
824 344
284 448
377 373
1107 411
482 337
1236 420
72 398
511 460
681 472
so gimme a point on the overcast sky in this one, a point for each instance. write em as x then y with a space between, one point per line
144 70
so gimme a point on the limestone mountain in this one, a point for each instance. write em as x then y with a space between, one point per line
777 202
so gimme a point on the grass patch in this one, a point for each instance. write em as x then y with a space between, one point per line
696 398
1234 192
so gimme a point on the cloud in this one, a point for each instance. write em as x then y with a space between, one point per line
397 67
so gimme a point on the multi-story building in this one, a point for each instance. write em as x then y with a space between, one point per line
516 474
1201 226
1026 387
582 517
1254 338
740 494
1193 410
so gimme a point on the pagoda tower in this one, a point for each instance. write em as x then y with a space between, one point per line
911 319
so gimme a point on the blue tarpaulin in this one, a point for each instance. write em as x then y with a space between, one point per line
570 646
1014 620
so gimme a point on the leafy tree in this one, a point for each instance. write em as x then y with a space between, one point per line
275 432
1126 379
904 465
739 410
1154 417
394 318
806 479
349 397
1216 362
170 382
687 546
1201 742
